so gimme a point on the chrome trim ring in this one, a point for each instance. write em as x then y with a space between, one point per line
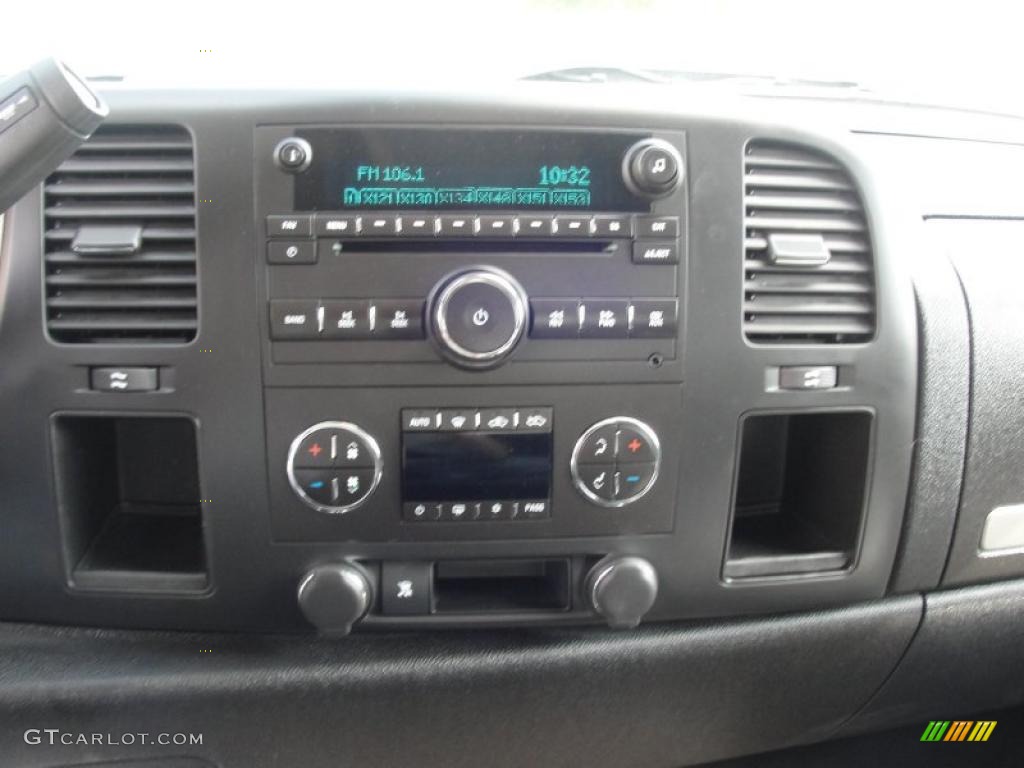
368 440
504 283
619 421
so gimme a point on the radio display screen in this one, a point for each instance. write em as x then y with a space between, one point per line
440 169
475 466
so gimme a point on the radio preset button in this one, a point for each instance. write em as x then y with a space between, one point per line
291 252
572 226
604 318
653 319
397 318
418 226
655 252
289 226
456 226
496 226
536 226
381 225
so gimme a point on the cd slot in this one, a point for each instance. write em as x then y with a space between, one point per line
474 246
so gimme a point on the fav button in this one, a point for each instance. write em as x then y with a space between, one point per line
289 226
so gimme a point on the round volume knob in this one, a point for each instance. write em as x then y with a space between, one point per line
478 317
334 597
622 589
652 168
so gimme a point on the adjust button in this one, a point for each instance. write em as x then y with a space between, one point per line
655 252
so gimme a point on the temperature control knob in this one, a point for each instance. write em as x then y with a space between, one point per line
334 597
478 317
622 589
334 466
653 168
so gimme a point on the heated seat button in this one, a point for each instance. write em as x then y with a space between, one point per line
405 588
597 480
317 484
554 318
598 447
604 318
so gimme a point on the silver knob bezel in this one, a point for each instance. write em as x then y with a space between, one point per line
641 427
496 279
371 444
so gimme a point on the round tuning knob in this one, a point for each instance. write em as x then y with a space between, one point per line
478 317
334 597
653 168
622 589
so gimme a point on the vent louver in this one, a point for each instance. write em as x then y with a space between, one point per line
807 253
120 239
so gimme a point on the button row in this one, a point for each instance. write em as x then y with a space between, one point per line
346 319
475 511
470 225
477 420
603 318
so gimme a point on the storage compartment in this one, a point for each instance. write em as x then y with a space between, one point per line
471 586
798 504
128 492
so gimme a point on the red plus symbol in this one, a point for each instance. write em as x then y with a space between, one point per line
634 445
315 450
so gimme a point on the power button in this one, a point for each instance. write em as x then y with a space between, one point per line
293 155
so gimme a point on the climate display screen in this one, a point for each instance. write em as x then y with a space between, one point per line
446 466
439 169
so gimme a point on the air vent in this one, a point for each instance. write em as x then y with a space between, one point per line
120 234
807 253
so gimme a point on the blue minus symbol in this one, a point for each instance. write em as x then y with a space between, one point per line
316 484
632 478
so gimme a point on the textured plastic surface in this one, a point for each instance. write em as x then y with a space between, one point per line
667 695
965 658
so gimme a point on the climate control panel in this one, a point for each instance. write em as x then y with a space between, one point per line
334 466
